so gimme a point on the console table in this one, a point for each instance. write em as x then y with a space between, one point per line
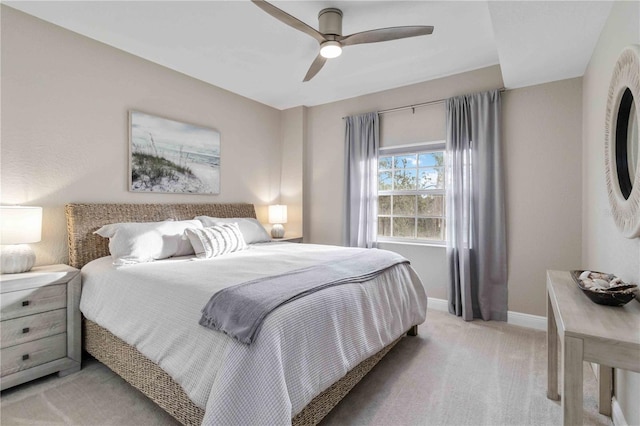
590 332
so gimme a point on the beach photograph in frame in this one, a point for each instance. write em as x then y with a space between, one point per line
172 156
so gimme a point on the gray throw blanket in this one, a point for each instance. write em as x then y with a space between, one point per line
240 310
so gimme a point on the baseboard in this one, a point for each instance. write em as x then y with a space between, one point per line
527 320
616 414
438 304
516 318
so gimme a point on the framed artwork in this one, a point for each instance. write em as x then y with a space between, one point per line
171 156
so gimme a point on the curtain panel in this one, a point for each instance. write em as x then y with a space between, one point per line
476 230
362 140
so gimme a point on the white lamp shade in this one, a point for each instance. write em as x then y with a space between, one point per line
278 214
20 224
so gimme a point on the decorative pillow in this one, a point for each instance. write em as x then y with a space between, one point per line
216 240
251 229
139 242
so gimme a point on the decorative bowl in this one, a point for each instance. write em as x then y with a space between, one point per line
617 296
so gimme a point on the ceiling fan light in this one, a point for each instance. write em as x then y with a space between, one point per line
330 49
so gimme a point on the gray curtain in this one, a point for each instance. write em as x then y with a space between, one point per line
476 232
362 139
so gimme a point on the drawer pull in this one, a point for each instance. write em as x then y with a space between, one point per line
25 357
25 330
25 303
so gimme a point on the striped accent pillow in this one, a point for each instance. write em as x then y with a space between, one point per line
216 240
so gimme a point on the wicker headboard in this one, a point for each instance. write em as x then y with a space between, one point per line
84 219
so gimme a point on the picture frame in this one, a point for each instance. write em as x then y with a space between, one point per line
170 156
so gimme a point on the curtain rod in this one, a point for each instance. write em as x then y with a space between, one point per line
423 104
414 106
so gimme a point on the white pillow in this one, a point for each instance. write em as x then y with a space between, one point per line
251 229
139 242
216 240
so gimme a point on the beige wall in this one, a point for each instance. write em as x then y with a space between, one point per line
324 158
603 247
324 162
542 162
291 188
542 147
65 134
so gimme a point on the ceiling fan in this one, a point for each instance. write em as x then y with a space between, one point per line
330 33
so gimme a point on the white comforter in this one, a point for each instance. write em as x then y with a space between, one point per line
302 349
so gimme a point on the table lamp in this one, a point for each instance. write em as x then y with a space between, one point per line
19 226
277 216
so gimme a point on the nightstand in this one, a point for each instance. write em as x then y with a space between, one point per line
288 239
39 324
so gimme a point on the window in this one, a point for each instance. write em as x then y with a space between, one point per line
411 194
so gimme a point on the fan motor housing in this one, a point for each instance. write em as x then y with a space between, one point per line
330 21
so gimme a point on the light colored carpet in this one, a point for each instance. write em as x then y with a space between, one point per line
462 373
453 373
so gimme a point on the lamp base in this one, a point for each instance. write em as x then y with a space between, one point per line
277 230
16 258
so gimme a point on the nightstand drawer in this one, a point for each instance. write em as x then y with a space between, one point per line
27 302
25 329
27 355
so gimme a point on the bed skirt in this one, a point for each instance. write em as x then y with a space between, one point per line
155 383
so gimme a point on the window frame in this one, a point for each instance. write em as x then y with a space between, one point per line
417 149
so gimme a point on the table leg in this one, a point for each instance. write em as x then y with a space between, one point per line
572 360
552 354
605 385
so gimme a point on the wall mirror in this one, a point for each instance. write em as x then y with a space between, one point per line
622 142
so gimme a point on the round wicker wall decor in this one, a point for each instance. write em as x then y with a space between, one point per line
622 142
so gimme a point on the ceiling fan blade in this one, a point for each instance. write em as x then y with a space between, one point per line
283 16
385 34
316 66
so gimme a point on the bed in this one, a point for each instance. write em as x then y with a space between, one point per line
146 371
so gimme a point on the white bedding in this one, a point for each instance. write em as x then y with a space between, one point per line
303 347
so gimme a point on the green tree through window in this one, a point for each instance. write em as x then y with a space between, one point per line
411 197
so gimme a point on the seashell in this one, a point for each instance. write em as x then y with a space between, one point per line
601 283
585 275
620 287
616 281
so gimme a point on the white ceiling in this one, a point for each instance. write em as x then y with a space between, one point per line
237 46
